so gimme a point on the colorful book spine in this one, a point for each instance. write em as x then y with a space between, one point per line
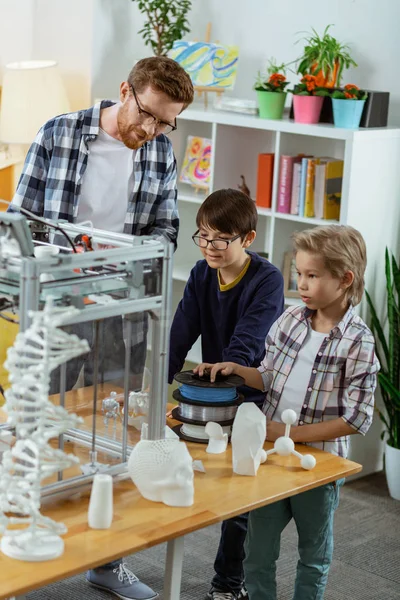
333 189
302 191
294 203
265 176
285 183
309 194
319 190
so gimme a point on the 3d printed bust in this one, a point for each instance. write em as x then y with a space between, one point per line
248 437
162 470
218 441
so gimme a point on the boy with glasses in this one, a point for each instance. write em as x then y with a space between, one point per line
113 165
231 299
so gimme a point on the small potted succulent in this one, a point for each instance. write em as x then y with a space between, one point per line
348 105
307 100
271 92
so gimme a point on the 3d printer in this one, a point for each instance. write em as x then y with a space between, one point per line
120 288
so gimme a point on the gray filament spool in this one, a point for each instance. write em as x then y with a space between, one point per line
204 414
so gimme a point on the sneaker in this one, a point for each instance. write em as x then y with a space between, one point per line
121 582
217 595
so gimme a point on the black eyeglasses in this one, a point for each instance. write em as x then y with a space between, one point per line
149 119
217 244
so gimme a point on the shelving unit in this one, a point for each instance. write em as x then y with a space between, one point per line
370 192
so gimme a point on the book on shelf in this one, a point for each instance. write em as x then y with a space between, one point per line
294 202
332 188
286 164
302 189
265 175
309 189
319 189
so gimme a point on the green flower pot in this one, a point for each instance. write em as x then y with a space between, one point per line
271 104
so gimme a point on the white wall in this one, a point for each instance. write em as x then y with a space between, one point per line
55 30
63 31
261 29
16 32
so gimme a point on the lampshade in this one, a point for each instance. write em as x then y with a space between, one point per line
32 93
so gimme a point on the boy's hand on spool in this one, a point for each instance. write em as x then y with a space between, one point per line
225 368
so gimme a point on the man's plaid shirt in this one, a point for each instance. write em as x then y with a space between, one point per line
51 179
343 378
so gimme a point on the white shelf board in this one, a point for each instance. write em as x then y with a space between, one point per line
308 220
324 130
195 198
264 212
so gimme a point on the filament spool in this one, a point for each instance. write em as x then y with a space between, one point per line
200 401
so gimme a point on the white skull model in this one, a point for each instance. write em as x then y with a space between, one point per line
248 437
162 470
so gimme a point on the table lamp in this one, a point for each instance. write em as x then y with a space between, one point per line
32 93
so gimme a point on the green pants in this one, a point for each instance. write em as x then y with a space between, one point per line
313 513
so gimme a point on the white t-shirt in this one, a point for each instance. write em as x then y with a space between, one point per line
106 184
295 388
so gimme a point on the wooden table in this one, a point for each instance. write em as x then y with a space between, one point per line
139 523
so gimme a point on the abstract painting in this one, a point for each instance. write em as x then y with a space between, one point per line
209 65
196 163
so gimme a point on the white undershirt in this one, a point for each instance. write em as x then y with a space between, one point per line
106 184
296 384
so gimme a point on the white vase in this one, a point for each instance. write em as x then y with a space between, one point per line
100 513
392 467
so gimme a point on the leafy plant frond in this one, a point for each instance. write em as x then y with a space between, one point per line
389 376
166 23
325 55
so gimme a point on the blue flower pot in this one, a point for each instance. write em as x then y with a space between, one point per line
347 113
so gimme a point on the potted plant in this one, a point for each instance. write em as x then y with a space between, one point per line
166 22
387 335
307 100
326 58
271 93
348 105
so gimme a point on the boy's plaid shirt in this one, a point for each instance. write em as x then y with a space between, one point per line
342 381
51 179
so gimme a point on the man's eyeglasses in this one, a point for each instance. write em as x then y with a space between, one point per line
217 244
149 119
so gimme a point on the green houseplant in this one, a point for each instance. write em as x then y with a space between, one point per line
348 105
387 335
326 58
166 23
271 93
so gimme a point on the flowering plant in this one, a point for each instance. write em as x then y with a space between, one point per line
274 80
308 87
350 92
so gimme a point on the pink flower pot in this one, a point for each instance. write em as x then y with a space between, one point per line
307 109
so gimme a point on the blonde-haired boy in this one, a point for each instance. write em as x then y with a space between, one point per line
319 361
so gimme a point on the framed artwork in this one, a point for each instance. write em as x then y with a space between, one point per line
209 65
196 163
290 276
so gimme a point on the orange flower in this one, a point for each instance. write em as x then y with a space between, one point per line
350 95
310 82
351 86
277 79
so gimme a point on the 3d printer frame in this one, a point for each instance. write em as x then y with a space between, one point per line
128 275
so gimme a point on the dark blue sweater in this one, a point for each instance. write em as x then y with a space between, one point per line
233 324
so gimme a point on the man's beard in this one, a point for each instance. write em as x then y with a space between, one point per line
131 135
